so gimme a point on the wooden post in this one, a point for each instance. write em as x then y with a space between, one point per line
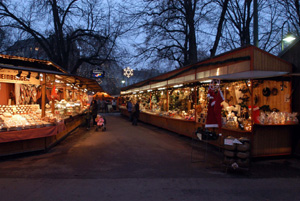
64 91
252 103
167 109
195 102
73 93
52 100
43 84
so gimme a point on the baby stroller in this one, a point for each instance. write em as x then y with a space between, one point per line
101 123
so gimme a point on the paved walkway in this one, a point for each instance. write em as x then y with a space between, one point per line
140 163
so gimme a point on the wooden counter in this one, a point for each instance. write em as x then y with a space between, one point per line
266 140
42 142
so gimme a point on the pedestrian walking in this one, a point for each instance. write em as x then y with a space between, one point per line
98 104
129 109
94 109
106 103
88 118
102 105
114 104
136 113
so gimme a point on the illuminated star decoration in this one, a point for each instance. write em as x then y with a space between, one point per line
128 72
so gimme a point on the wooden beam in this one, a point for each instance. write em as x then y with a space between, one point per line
43 85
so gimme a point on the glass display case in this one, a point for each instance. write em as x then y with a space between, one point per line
65 109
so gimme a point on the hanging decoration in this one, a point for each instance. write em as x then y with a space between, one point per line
128 72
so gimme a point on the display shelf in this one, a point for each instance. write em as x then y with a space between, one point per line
168 117
228 129
288 124
236 130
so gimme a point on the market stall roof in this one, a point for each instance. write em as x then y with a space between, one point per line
35 65
249 75
100 94
42 66
247 62
91 84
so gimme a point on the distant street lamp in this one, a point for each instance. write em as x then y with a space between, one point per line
37 52
288 38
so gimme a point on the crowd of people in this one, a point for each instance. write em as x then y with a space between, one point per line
134 111
97 106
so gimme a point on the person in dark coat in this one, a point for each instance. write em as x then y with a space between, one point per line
94 108
136 113
129 109
88 118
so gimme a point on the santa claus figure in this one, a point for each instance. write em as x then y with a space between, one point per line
214 118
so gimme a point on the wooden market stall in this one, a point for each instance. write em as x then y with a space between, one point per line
252 80
40 104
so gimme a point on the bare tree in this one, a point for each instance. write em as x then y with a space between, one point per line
291 14
236 29
3 40
71 32
270 27
169 29
224 5
239 17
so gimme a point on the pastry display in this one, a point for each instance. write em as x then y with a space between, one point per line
64 108
18 117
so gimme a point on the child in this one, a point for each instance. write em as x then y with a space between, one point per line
100 122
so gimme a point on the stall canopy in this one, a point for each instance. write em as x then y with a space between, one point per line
103 94
247 62
91 84
35 66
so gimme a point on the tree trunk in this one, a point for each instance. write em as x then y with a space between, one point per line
190 12
220 27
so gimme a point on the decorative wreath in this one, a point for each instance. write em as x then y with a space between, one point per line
266 91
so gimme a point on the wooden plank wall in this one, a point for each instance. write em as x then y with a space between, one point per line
230 55
281 101
267 62
272 141
5 89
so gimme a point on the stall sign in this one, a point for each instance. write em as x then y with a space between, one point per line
98 73
13 79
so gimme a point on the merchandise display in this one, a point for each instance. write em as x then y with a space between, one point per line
28 116
229 101
257 100
40 104
278 118
18 117
174 103
239 114
64 109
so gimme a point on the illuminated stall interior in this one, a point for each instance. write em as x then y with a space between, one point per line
36 93
256 88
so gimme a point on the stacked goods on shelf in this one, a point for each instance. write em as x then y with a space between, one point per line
243 152
229 151
237 152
